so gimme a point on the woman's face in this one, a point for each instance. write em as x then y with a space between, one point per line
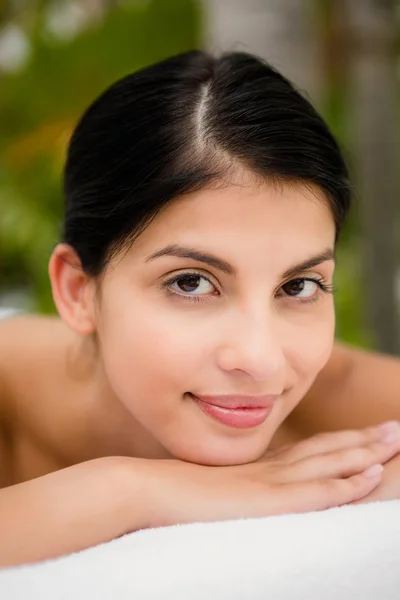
219 310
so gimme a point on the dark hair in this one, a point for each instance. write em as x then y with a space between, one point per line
175 126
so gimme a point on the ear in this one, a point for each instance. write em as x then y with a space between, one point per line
73 290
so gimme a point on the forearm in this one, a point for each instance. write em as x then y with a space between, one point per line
70 510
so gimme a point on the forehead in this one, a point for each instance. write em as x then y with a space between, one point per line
261 213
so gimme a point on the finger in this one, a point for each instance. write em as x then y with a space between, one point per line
338 440
320 495
338 464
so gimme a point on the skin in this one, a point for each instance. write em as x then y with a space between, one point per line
87 402
96 383
243 335
356 389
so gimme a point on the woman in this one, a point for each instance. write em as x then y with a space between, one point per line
204 198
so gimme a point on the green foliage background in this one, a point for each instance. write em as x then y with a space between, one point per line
38 109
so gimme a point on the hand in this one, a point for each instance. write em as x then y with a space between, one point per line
314 474
389 487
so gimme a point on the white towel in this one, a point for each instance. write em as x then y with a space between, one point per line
350 552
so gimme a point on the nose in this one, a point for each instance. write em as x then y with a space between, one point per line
253 346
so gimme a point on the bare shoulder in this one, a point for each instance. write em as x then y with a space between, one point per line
21 324
335 400
29 347
25 345
22 340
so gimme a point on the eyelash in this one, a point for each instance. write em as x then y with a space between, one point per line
186 297
324 288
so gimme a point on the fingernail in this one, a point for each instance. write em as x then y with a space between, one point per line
372 471
390 431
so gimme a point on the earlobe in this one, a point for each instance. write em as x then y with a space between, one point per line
73 290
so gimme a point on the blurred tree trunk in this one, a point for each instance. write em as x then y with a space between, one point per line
375 122
332 31
280 31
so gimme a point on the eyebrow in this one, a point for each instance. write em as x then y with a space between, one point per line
225 267
313 261
184 252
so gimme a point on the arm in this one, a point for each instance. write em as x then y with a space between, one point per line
70 510
102 499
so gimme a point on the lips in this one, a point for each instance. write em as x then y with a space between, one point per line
237 411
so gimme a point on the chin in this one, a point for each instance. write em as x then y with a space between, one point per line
221 453
211 444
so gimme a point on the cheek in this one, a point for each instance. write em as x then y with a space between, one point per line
309 345
150 353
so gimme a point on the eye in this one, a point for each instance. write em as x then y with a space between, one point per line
191 284
304 288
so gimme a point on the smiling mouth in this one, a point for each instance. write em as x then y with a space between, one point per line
236 412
